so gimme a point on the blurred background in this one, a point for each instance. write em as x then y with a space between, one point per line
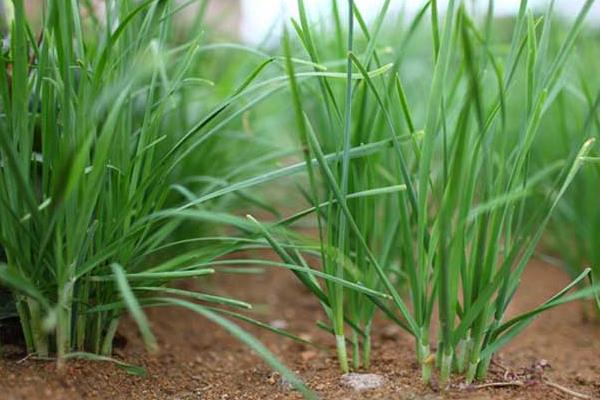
259 21
257 16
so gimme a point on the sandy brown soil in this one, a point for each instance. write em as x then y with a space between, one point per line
200 361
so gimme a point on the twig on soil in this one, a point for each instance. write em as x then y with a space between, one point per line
498 384
27 357
566 390
525 377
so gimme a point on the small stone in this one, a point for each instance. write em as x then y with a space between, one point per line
279 324
542 364
272 379
361 382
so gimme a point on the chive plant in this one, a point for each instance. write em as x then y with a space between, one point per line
473 240
459 226
73 176
574 115
480 240
92 137
346 197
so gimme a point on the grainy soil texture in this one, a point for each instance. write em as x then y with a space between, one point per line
555 358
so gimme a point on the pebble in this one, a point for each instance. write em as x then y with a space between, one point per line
361 382
272 378
279 324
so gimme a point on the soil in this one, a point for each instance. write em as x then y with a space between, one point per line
201 361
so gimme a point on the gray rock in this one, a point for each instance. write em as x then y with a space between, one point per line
361 382
279 324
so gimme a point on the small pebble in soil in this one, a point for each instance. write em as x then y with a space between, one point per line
361 382
279 324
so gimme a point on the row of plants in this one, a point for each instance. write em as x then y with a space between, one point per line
427 150
445 215
115 153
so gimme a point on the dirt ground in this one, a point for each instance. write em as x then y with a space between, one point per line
200 361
